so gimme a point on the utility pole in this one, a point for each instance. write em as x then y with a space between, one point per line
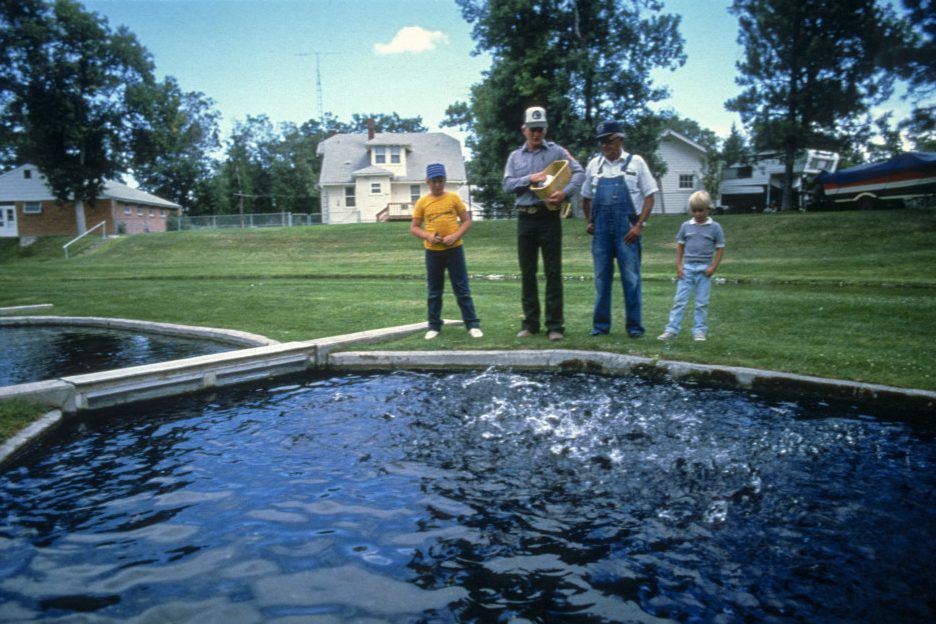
319 99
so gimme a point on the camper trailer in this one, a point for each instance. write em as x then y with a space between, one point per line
759 186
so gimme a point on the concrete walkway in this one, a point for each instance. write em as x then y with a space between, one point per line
226 336
76 393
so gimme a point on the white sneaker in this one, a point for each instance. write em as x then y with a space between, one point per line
666 336
475 332
698 337
431 334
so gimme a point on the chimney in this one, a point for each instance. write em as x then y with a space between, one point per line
370 128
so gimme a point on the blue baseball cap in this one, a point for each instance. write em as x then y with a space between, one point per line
609 128
435 170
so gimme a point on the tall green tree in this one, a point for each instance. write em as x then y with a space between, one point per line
173 145
915 62
583 60
296 167
809 67
21 29
383 122
67 104
914 58
247 170
735 150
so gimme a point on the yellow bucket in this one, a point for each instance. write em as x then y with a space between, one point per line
557 177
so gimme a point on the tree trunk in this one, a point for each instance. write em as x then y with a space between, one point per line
787 202
80 217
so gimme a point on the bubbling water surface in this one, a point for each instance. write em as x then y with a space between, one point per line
473 497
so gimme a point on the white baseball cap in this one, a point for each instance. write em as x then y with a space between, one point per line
535 117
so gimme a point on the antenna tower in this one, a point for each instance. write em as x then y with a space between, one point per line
319 98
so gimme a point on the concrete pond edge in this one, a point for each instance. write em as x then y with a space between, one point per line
70 395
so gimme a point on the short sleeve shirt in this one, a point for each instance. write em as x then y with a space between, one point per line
640 181
700 240
440 215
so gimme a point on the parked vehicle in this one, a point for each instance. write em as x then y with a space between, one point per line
759 186
907 175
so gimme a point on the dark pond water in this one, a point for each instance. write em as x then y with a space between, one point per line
36 353
481 497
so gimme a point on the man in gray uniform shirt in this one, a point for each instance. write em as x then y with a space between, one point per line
539 224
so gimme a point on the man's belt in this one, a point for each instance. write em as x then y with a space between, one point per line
532 209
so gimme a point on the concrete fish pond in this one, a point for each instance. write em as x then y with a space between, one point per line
35 353
473 496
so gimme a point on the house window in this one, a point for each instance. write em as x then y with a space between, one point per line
152 212
32 208
349 196
395 154
375 188
127 210
162 213
27 174
380 155
139 211
415 193
686 181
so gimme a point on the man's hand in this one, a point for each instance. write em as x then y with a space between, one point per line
633 233
557 198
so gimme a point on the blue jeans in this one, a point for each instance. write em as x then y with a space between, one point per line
613 215
693 281
605 249
453 260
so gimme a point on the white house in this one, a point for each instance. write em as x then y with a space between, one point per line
379 176
685 163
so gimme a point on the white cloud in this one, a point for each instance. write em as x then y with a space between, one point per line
411 39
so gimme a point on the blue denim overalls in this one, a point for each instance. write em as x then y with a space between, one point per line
613 214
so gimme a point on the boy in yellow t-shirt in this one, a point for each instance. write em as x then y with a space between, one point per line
441 220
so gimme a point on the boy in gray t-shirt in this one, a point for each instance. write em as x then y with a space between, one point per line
700 245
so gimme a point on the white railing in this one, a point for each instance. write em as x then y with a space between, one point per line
79 237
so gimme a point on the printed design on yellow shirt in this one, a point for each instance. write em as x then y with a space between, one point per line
440 215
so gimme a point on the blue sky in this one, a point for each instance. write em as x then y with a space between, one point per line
412 57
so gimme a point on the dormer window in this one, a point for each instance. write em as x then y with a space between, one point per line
380 155
395 154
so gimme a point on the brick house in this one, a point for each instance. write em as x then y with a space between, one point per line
29 209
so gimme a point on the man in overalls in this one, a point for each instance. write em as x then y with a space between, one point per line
615 184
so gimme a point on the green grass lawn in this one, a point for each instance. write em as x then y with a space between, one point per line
849 295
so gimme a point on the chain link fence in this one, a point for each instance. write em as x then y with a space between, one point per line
254 220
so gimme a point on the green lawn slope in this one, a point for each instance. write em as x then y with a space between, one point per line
849 295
